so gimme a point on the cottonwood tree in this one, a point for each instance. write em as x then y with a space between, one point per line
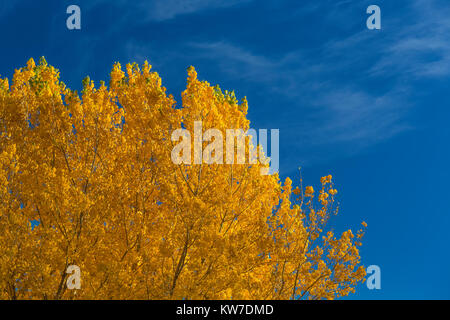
86 179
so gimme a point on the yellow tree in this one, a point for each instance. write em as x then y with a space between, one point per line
87 179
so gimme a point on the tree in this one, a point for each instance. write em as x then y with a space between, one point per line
88 180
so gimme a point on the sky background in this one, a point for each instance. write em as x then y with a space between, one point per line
370 107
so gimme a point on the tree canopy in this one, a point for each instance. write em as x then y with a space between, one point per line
87 179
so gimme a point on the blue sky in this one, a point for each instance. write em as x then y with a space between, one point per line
368 106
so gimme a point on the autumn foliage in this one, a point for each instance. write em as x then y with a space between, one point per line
87 179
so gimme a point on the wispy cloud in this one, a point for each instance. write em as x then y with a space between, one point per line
420 48
356 116
167 9
332 110
342 110
162 10
348 93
